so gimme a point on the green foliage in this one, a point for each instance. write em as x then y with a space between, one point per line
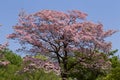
115 61
42 57
12 57
13 70
8 73
114 74
82 71
11 73
39 75
113 52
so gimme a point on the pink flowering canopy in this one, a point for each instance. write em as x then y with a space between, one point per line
51 31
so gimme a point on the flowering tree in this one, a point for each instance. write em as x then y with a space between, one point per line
61 34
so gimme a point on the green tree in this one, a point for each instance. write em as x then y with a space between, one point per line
12 57
115 71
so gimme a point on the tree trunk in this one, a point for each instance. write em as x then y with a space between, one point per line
64 75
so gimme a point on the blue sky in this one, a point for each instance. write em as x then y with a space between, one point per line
105 11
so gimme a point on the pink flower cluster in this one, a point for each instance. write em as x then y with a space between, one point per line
34 63
4 63
3 46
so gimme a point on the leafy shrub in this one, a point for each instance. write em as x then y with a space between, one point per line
11 73
12 57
